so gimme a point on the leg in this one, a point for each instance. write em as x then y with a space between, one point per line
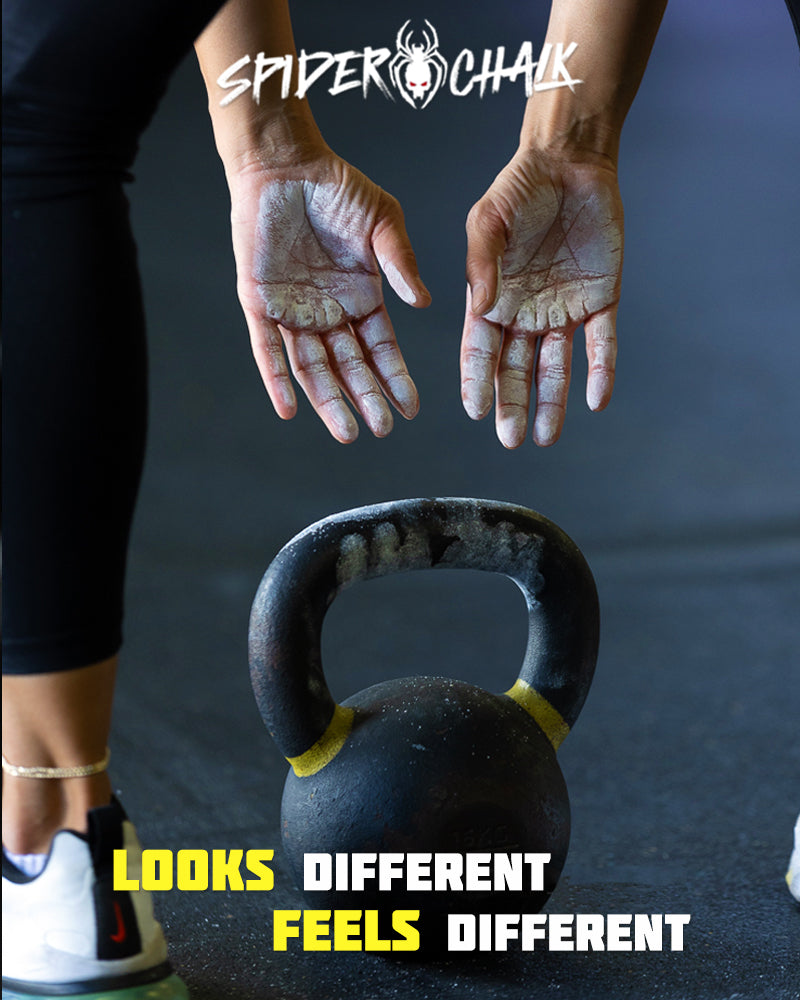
73 428
76 96
59 719
74 422
74 406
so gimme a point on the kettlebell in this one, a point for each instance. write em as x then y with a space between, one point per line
425 764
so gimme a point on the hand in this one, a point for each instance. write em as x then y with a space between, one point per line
308 241
544 255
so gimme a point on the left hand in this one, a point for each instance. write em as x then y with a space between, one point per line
544 255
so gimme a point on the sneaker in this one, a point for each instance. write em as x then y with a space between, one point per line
793 875
66 932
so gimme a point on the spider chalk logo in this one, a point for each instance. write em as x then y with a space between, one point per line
418 71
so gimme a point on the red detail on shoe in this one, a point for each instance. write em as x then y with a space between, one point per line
121 932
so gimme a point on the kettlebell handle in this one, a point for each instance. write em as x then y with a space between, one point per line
307 574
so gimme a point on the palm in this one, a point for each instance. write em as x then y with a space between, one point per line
314 266
310 244
545 256
563 259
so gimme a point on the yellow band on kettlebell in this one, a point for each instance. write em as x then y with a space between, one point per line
327 746
549 719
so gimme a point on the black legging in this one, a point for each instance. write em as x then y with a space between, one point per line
81 80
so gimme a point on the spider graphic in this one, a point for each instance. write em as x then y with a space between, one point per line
417 71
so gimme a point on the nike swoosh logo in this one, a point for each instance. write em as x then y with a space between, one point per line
121 933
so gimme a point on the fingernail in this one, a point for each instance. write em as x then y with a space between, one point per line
480 297
423 291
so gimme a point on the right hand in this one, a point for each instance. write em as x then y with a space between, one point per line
310 243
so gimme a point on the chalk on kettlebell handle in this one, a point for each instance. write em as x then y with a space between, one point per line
359 782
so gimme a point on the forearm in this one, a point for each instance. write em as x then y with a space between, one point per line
614 39
274 130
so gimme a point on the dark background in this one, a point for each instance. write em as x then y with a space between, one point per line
684 768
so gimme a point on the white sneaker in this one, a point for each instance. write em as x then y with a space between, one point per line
66 932
793 875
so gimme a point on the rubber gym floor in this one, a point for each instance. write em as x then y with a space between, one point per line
684 768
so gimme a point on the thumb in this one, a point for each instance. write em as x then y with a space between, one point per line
486 243
398 262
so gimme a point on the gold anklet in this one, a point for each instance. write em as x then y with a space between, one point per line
81 771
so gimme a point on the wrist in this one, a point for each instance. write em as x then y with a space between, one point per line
565 127
249 136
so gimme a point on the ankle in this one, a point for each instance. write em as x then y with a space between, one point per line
34 811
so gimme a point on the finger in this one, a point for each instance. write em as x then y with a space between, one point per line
513 387
552 386
353 375
480 347
312 369
398 262
386 362
601 350
266 344
486 244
